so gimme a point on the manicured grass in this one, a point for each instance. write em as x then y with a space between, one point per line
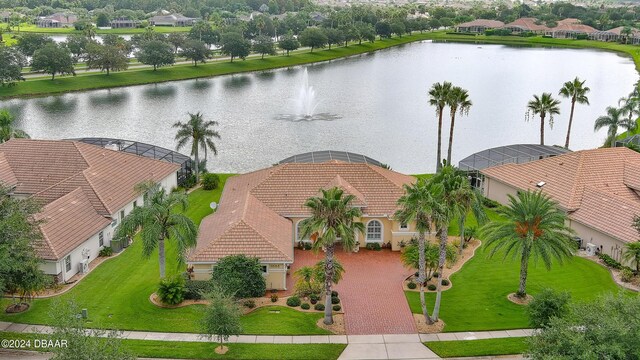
478 298
484 347
200 350
116 294
31 28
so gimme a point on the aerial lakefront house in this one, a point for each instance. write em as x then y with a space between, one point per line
598 189
172 20
260 213
57 20
85 192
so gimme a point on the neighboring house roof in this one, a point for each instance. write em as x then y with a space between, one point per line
482 22
572 25
254 207
65 18
528 24
67 223
620 29
170 18
599 188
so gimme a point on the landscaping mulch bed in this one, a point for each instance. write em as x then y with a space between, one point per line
518 300
17 308
615 274
155 301
423 328
337 327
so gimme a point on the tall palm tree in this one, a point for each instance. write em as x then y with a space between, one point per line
613 121
438 97
458 101
534 226
200 133
416 206
577 92
630 106
158 221
543 105
456 197
332 218
632 254
7 130
470 201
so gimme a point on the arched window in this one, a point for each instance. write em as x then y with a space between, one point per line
374 231
299 232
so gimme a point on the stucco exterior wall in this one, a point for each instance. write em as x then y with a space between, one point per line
87 250
610 246
498 191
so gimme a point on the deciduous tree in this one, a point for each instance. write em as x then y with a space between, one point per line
53 59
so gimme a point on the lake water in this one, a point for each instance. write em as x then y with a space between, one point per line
379 103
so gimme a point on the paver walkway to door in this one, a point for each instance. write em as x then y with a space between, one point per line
370 291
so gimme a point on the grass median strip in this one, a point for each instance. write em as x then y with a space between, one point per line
484 347
205 350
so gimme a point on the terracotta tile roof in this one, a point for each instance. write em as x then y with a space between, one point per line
339 182
577 180
482 22
7 176
573 25
68 222
528 24
252 217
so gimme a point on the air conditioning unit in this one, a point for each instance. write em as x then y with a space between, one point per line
591 249
84 266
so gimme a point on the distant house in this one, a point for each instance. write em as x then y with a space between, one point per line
85 191
172 20
4 16
616 34
57 20
598 189
570 29
478 26
124 24
317 17
526 25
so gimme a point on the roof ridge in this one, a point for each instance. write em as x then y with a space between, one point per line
44 236
379 170
92 186
611 194
264 237
577 176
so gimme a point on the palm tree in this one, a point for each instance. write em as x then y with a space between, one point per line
456 197
438 97
632 254
613 121
577 92
7 131
470 200
332 218
458 101
416 206
201 135
305 275
158 221
629 106
543 106
534 226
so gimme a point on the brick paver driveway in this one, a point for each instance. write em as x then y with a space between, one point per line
370 291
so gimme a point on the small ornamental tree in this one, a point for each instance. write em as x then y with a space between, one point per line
334 36
239 276
288 43
196 51
220 319
547 305
263 45
235 45
106 58
157 53
53 59
313 37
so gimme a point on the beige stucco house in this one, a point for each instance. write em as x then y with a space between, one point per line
85 191
599 189
260 213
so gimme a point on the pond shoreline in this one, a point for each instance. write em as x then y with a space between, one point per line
96 81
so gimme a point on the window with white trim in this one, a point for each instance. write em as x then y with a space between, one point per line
101 238
67 263
374 230
404 226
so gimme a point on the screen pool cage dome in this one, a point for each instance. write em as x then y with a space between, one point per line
327 155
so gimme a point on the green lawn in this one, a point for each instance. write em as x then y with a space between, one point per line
478 298
485 347
116 294
199 350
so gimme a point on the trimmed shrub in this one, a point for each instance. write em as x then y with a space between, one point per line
435 274
337 307
106 251
171 290
240 276
314 297
411 285
547 305
274 297
210 181
319 307
307 245
250 303
293 301
445 282
490 203
626 275
374 246
190 181
432 287
313 301
195 290
305 306
609 261
334 293
335 300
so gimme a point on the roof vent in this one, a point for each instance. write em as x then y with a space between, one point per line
540 184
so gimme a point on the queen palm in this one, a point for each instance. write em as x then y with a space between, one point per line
7 130
629 106
458 101
544 106
577 92
158 221
438 97
416 206
632 254
332 218
613 121
200 133
533 226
